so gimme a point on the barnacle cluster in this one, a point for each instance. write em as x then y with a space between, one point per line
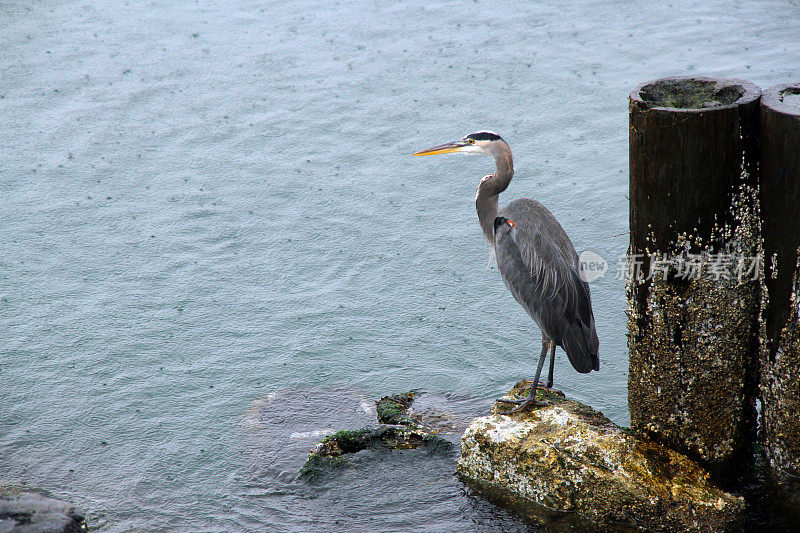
693 340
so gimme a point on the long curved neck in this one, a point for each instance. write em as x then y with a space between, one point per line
490 188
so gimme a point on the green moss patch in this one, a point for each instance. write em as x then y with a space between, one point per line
394 409
689 94
402 431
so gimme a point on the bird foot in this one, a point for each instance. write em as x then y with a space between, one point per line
522 403
540 385
518 401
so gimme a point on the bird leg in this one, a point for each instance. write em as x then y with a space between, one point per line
552 364
551 345
522 403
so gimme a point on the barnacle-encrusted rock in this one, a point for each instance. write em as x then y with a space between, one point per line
567 465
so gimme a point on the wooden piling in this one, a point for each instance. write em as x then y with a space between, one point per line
693 298
780 363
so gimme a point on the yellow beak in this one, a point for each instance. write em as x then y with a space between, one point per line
445 148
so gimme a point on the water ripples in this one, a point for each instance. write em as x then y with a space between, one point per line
204 204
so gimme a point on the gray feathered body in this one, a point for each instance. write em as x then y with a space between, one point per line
540 267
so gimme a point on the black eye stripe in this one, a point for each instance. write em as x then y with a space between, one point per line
483 136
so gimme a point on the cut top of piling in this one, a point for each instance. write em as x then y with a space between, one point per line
693 94
783 99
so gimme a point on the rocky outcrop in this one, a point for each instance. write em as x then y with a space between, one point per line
568 466
400 428
396 409
31 511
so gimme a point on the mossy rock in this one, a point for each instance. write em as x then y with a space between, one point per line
566 465
330 453
395 409
317 464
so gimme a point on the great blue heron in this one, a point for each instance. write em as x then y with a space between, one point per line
537 262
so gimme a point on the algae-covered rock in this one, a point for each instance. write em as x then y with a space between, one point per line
329 453
400 429
568 466
395 409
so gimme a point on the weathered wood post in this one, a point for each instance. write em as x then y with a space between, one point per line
693 296
780 364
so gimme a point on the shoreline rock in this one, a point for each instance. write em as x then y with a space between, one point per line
566 465
36 511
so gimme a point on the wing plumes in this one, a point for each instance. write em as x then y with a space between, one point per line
581 344
539 265
567 318
551 275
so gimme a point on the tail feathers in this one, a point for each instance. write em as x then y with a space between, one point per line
581 344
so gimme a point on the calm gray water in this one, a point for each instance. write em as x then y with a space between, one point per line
207 209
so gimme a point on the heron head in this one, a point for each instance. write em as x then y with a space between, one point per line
480 142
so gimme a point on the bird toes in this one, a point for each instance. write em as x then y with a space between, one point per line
513 401
521 404
528 384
